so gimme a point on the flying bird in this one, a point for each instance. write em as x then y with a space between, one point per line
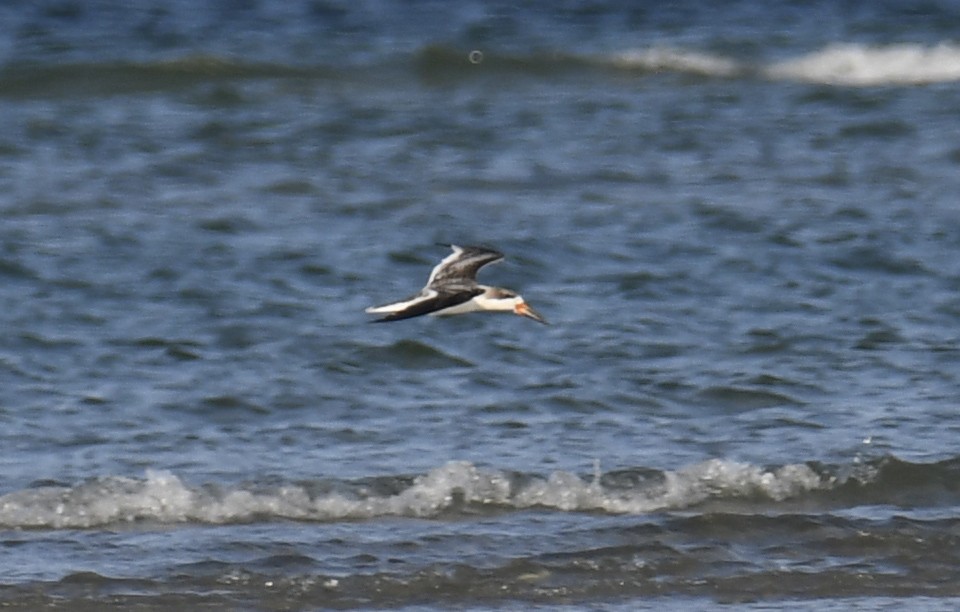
452 289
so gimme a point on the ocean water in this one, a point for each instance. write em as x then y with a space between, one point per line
741 219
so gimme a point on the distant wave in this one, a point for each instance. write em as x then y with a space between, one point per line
841 64
162 497
441 62
846 64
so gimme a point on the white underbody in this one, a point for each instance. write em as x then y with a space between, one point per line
481 303
471 305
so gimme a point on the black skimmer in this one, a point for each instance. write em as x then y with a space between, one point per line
452 289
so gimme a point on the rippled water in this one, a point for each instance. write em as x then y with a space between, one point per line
742 226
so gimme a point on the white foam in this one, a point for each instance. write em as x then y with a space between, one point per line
863 65
850 64
670 59
162 497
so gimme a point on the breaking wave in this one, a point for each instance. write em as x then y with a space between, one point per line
162 497
840 64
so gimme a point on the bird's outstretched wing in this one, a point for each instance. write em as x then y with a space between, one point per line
425 302
462 265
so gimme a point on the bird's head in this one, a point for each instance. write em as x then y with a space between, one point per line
510 301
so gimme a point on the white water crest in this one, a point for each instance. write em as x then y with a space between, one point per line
162 497
841 64
864 65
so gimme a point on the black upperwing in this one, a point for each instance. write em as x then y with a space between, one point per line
462 265
449 296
